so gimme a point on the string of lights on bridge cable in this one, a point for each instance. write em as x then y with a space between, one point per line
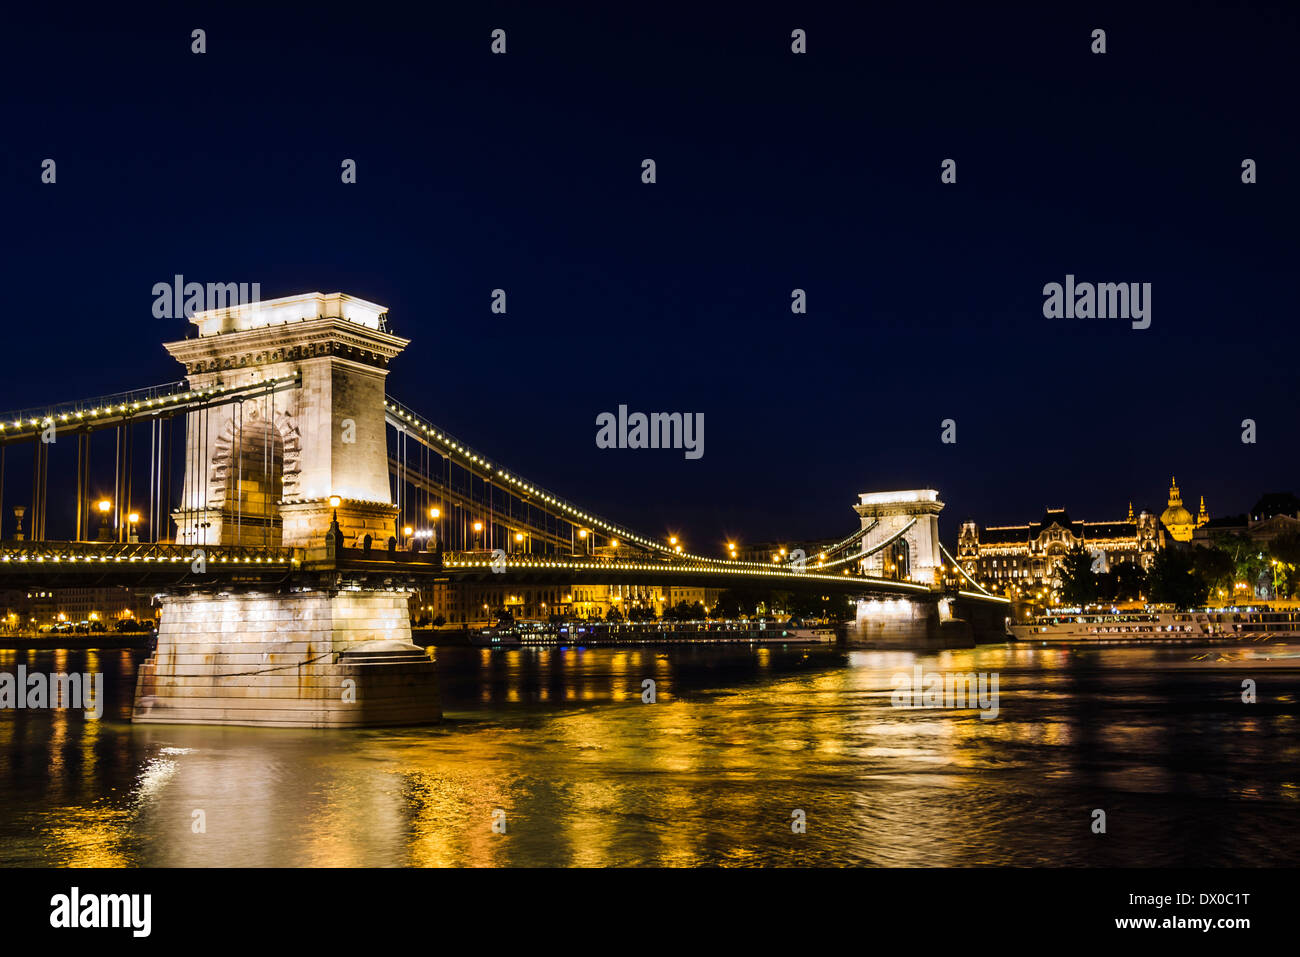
121 414
433 491
439 477
964 574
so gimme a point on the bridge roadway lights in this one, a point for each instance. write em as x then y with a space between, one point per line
308 659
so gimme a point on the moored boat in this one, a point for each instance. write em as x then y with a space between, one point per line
1249 623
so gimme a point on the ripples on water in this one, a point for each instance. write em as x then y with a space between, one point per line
739 737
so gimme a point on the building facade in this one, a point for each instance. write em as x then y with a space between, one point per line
1024 560
1275 515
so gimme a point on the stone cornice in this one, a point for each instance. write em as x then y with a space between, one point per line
288 342
911 509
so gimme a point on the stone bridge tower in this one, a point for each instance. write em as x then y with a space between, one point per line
262 471
888 513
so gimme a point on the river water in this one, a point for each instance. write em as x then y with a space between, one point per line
559 748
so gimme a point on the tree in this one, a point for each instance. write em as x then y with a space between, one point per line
1130 581
613 614
1174 580
735 602
1285 550
1249 563
805 604
640 613
682 612
1079 584
439 621
1215 566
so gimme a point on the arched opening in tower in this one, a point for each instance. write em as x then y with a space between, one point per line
899 562
254 482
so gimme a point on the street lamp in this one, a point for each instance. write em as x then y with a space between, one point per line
104 506
434 514
478 527
133 521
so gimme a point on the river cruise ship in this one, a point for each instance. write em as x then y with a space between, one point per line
1252 623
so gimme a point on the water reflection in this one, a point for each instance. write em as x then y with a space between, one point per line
738 739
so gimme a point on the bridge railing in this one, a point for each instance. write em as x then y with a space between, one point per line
146 552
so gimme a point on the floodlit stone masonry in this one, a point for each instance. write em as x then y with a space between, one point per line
303 659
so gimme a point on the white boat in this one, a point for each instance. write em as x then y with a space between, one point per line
818 633
1255 623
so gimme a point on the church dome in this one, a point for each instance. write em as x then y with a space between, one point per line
1177 519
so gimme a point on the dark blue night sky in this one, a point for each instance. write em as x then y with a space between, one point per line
775 171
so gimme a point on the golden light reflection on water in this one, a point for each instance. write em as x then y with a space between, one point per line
589 775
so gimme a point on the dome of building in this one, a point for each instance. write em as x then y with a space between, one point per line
1180 522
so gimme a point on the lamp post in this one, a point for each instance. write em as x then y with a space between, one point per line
133 523
105 507
434 514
